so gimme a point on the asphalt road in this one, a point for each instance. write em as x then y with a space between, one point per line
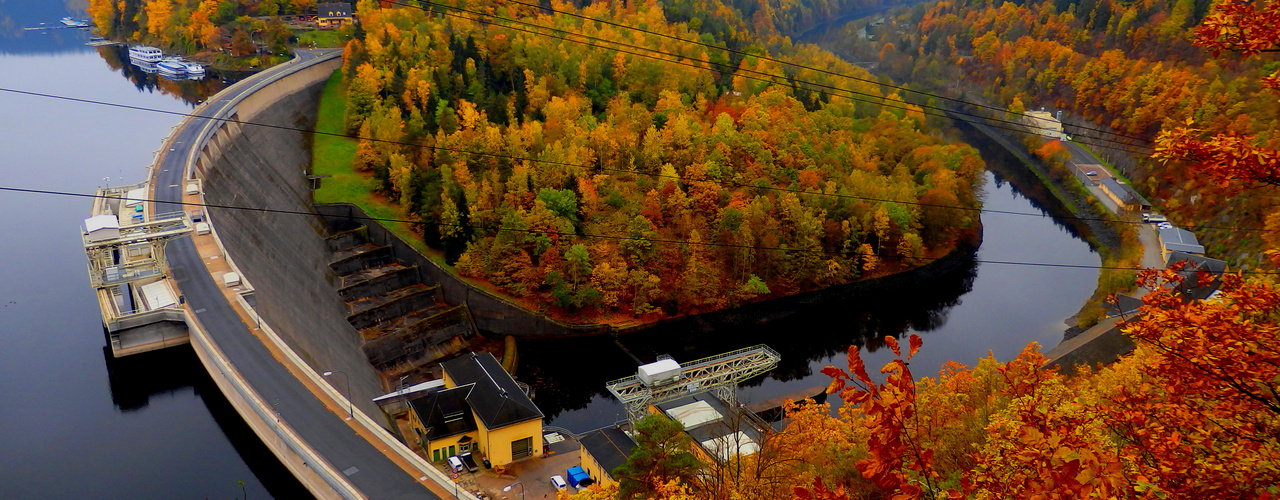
366 468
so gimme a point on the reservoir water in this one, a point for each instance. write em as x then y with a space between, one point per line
77 424
73 422
989 305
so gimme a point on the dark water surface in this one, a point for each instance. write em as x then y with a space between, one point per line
77 424
982 306
73 422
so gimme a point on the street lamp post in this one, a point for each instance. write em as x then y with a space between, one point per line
351 411
508 488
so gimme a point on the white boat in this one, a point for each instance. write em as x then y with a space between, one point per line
143 53
172 66
72 23
194 69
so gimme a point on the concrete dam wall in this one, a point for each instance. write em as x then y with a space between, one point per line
282 255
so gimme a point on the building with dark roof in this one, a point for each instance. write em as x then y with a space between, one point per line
604 450
333 15
1174 239
1124 195
480 408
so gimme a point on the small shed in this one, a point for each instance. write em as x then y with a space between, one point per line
101 228
604 450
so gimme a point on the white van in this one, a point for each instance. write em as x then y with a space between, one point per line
455 463
1154 218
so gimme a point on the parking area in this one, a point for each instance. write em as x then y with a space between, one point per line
1094 172
533 475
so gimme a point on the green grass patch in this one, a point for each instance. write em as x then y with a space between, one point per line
334 155
322 38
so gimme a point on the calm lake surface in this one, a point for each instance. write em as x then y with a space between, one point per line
982 307
78 424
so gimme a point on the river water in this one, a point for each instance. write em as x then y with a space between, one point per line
77 424
985 306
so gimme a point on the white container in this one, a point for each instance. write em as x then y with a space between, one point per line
659 372
231 279
193 188
202 228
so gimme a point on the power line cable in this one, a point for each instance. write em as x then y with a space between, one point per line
766 77
599 168
780 61
564 233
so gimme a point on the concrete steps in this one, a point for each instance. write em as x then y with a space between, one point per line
393 305
378 280
403 320
419 343
360 258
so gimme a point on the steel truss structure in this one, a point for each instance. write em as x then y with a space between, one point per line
720 373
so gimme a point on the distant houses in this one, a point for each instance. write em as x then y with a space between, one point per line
1175 239
480 408
1124 195
1045 124
333 15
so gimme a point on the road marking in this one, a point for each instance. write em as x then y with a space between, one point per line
201 310
350 471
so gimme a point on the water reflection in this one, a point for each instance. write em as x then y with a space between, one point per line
146 77
136 380
568 374
976 307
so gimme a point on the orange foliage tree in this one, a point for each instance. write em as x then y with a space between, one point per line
1249 28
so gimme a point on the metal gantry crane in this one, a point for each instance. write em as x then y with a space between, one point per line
666 380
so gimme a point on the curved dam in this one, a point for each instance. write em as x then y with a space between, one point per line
240 145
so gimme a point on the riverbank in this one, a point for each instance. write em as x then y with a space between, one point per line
1116 241
341 183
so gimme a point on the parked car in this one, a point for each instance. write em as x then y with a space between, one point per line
1164 225
1091 173
1153 218
558 483
455 464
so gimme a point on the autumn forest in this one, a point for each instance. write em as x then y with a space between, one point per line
624 162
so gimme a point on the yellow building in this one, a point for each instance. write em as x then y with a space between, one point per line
480 409
333 15
603 451
1044 123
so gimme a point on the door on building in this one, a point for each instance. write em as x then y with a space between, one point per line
521 448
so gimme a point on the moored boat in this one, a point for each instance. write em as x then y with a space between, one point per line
172 66
194 69
72 23
143 53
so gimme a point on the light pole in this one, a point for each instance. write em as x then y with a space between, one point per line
508 488
351 411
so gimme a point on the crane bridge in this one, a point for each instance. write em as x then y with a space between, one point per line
666 380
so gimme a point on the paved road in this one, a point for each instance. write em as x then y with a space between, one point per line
369 470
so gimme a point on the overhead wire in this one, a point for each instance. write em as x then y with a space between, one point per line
787 63
566 233
597 168
763 76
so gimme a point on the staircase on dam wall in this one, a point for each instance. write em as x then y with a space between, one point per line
404 323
